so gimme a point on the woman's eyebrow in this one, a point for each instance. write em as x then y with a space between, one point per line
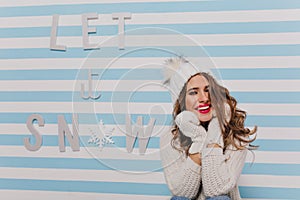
193 88
197 88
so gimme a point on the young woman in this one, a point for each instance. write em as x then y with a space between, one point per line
204 152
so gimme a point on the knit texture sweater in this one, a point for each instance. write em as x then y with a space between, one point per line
218 174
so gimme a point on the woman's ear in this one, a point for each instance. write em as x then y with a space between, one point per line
214 114
227 112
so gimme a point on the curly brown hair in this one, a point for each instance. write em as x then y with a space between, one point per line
234 132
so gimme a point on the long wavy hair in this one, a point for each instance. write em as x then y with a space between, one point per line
234 132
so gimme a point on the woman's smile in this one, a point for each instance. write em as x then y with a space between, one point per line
204 108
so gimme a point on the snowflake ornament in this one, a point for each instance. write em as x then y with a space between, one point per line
103 137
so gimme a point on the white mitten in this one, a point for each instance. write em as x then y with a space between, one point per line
189 125
214 133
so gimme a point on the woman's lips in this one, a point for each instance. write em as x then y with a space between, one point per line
203 109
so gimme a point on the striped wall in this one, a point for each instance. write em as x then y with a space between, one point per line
252 46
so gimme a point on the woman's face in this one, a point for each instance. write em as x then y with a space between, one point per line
197 98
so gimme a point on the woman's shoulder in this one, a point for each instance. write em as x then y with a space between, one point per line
171 158
166 137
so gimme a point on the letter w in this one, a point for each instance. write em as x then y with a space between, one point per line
139 131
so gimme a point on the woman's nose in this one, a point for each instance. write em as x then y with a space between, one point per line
202 97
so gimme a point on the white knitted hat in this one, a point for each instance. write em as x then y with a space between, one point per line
177 71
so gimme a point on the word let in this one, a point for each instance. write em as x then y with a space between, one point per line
86 30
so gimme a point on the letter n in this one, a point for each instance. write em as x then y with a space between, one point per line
63 130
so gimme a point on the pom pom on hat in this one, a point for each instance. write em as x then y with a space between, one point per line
171 65
177 71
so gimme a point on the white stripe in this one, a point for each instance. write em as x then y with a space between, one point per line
84 129
271 109
77 63
257 62
75 85
82 175
262 85
271 157
50 195
85 152
91 107
277 133
135 108
20 3
143 85
158 40
269 181
159 18
132 177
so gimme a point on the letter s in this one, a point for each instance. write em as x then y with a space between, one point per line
35 133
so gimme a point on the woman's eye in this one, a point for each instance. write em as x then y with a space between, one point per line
192 93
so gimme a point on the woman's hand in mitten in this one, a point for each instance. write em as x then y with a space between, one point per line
214 134
189 125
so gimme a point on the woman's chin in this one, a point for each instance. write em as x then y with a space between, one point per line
205 118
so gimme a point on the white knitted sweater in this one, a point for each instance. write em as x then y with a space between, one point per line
218 174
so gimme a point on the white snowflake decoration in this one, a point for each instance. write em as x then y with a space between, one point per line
103 137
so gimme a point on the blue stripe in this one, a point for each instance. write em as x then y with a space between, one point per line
161 119
110 52
83 163
157 51
59 96
278 145
133 188
194 28
148 74
131 165
52 140
82 74
272 169
273 121
267 97
149 7
120 141
85 186
259 74
86 118
150 97
269 192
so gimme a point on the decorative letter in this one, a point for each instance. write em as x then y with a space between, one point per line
53 45
138 130
90 95
121 17
86 30
34 132
63 130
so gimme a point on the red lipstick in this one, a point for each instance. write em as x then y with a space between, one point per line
204 108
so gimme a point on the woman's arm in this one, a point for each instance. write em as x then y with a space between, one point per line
220 172
196 158
182 174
